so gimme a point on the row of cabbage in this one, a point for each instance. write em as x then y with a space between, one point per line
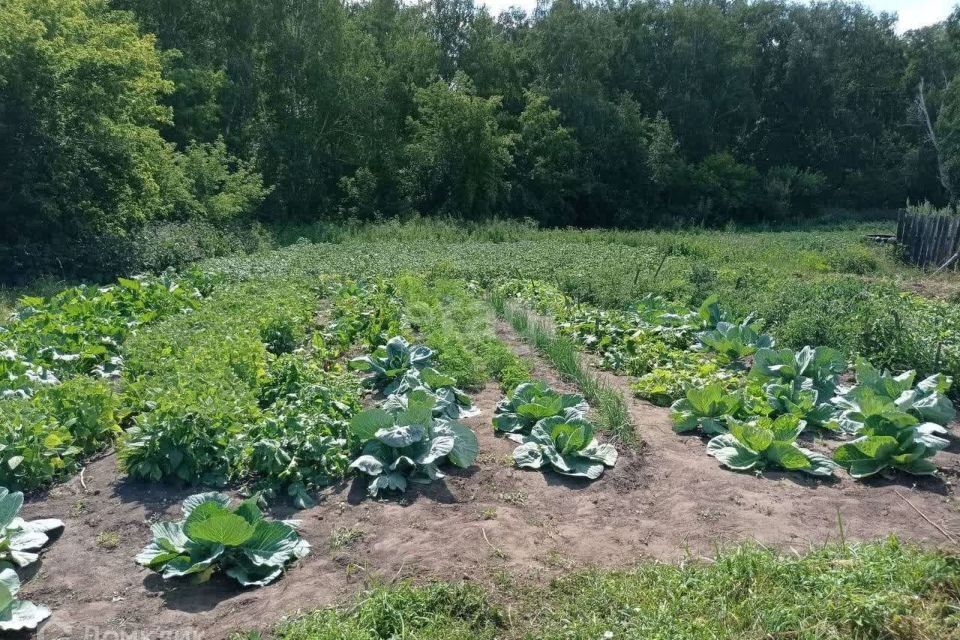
416 428
725 379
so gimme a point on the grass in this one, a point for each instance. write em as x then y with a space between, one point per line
882 590
108 539
341 537
454 321
610 407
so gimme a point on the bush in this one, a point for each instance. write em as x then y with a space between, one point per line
87 408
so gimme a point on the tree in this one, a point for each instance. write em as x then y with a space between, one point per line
545 158
458 156
80 149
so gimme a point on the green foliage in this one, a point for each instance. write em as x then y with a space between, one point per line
219 187
390 363
448 401
81 329
708 409
190 436
79 77
881 394
457 157
734 342
300 442
20 542
213 536
49 426
409 445
531 402
565 444
87 408
767 443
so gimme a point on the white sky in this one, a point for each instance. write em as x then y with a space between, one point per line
912 13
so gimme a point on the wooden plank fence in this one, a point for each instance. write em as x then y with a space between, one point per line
929 240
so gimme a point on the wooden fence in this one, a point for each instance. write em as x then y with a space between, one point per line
929 240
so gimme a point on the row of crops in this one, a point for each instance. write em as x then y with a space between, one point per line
726 380
265 401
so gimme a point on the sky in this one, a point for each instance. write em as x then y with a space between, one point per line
912 13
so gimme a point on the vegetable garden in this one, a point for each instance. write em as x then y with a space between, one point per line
214 450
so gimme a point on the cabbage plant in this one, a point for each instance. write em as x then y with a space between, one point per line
390 362
409 445
803 402
707 407
20 540
448 401
531 402
884 394
567 445
15 614
213 536
895 441
817 368
734 341
767 443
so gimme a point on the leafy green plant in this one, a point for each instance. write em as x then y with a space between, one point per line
567 445
390 362
708 408
213 536
818 367
293 453
20 539
19 542
894 398
282 333
734 341
35 449
448 401
766 443
15 614
87 408
710 314
788 398
531 402
409 445
895 441
193 435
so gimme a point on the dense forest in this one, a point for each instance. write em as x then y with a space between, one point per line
121 117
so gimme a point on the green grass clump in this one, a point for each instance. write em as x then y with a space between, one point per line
870 591
441 611
875 591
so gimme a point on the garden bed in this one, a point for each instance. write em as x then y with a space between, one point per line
666 502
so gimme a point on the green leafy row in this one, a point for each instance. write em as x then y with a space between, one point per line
725 378
275 403
60 359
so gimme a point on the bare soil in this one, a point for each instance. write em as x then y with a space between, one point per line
667 500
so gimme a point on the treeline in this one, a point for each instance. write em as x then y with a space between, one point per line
115 115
